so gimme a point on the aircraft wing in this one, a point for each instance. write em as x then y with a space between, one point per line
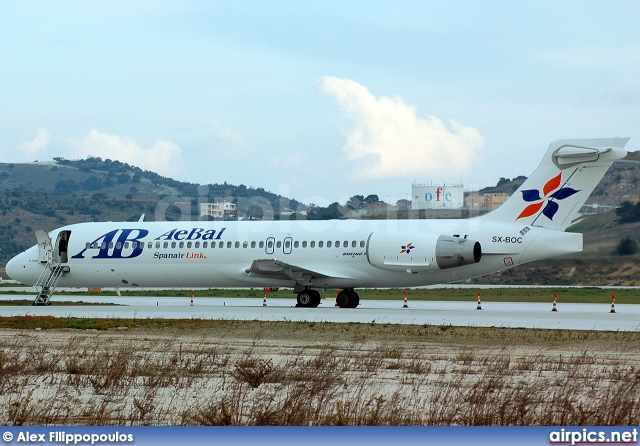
276 269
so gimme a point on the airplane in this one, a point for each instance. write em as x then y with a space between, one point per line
336 254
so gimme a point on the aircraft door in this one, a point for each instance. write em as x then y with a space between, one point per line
45 249
288 243
61 253
269 246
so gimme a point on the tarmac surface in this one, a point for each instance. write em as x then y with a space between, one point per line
493 314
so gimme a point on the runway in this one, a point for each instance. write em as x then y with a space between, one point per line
493 314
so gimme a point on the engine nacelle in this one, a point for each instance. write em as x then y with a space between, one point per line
415 252
455 251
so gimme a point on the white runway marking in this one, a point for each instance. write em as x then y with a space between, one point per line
493 314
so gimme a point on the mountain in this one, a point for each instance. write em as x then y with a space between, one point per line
51 194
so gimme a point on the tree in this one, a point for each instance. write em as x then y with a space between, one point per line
92 183
355 202
627 247
371 199
123 178
628 213
255 213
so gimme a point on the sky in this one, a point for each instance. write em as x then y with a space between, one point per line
317 101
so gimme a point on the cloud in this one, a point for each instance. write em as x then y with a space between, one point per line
386 138
163 157
37 145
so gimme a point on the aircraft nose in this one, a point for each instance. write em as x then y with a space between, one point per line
12 268
17 269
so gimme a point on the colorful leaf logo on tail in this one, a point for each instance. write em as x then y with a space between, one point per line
551 194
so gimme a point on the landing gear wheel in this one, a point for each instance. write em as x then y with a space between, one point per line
308 298
305 298
342 299
354 301
347 299
316 298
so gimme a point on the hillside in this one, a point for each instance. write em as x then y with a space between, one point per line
49 195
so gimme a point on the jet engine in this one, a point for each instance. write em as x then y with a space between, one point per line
415 252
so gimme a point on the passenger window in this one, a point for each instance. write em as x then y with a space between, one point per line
296 244
287 244
189 244
320 244
197 245
304 244
150 245
278 244
173 244
329 244
362 243
313 244
126 245
270 244
337 243
110 245
229 244
157 245
237 244
221 244
261 245
345 244
253 244
181 245
206 244
353 244
166 245
245 244
88 245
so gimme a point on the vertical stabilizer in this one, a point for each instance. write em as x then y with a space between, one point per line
553 195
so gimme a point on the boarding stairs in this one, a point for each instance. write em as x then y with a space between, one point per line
47 283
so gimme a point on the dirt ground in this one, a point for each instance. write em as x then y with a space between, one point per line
265 373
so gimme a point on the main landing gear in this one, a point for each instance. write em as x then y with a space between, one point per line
308 298
346 298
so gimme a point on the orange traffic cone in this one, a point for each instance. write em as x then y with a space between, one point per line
555 296
337 292
264 301
613 304
405 300
479 307
192 294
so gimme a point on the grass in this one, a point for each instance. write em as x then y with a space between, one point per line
194 372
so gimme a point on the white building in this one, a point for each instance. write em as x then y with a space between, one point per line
223 210
440 196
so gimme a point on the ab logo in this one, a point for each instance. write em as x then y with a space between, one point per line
106 243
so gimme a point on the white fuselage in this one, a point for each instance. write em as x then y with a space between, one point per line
333 254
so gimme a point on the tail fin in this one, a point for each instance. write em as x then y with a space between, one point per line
552 196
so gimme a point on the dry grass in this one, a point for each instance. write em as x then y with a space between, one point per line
252 373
